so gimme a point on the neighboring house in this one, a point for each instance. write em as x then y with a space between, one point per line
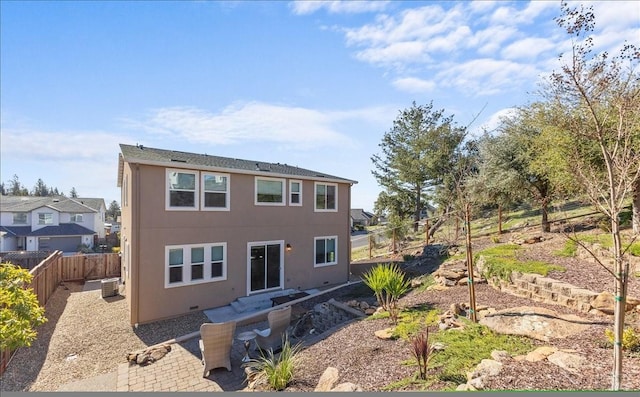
360 217
49 223
199 231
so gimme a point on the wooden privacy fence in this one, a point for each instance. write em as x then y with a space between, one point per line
56 268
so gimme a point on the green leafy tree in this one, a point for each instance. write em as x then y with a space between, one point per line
491 185
599 97
113 211
515 157
416 153
20 312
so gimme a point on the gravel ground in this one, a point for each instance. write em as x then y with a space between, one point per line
87 335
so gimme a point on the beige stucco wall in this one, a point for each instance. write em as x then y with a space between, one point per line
244 223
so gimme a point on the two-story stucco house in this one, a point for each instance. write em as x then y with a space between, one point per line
50 223
199 231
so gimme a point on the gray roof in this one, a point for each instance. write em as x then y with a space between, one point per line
93 203
172 158
58 203
360 214
64 229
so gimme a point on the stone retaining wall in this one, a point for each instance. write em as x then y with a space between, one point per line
544 289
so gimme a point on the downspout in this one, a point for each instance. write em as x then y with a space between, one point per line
136 231
348 217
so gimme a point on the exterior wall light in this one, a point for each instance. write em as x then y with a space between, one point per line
289 247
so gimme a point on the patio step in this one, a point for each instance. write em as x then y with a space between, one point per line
257 302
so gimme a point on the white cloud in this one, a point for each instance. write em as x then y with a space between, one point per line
508 15
528 48
253 122
412 84
402 53
486 76
489 41
305 7
86 160
59 146
414 24
492 122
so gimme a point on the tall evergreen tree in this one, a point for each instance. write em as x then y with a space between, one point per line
40 189
417 153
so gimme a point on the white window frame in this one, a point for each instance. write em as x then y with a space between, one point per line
26 218
291 193
196 191
284 191
186 264
42 218
204 192
315 197
74 218
315 253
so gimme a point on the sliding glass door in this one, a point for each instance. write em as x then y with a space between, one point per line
265 266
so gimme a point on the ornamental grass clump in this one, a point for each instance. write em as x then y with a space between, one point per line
276 370
388 283
422 350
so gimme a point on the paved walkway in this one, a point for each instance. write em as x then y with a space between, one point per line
181 369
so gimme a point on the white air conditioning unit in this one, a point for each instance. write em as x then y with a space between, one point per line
109 287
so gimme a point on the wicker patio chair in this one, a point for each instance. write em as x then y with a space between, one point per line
271 338
215 345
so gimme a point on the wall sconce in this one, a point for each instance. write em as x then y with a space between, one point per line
289 247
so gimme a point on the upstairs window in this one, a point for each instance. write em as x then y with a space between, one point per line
295 193
76 218
215 192
19 218
269 191
326 196
182 190
45 218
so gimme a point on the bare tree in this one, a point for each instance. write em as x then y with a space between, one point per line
599 97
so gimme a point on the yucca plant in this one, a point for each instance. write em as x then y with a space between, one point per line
276 370
388 283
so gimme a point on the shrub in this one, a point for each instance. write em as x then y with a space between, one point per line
495 239
20 311
388 283
421 350
277 371
569 250
630 339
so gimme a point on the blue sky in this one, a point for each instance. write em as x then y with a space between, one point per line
312 84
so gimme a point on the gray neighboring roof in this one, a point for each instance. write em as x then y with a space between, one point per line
30 203
359 214
93 203
64 229
171 158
